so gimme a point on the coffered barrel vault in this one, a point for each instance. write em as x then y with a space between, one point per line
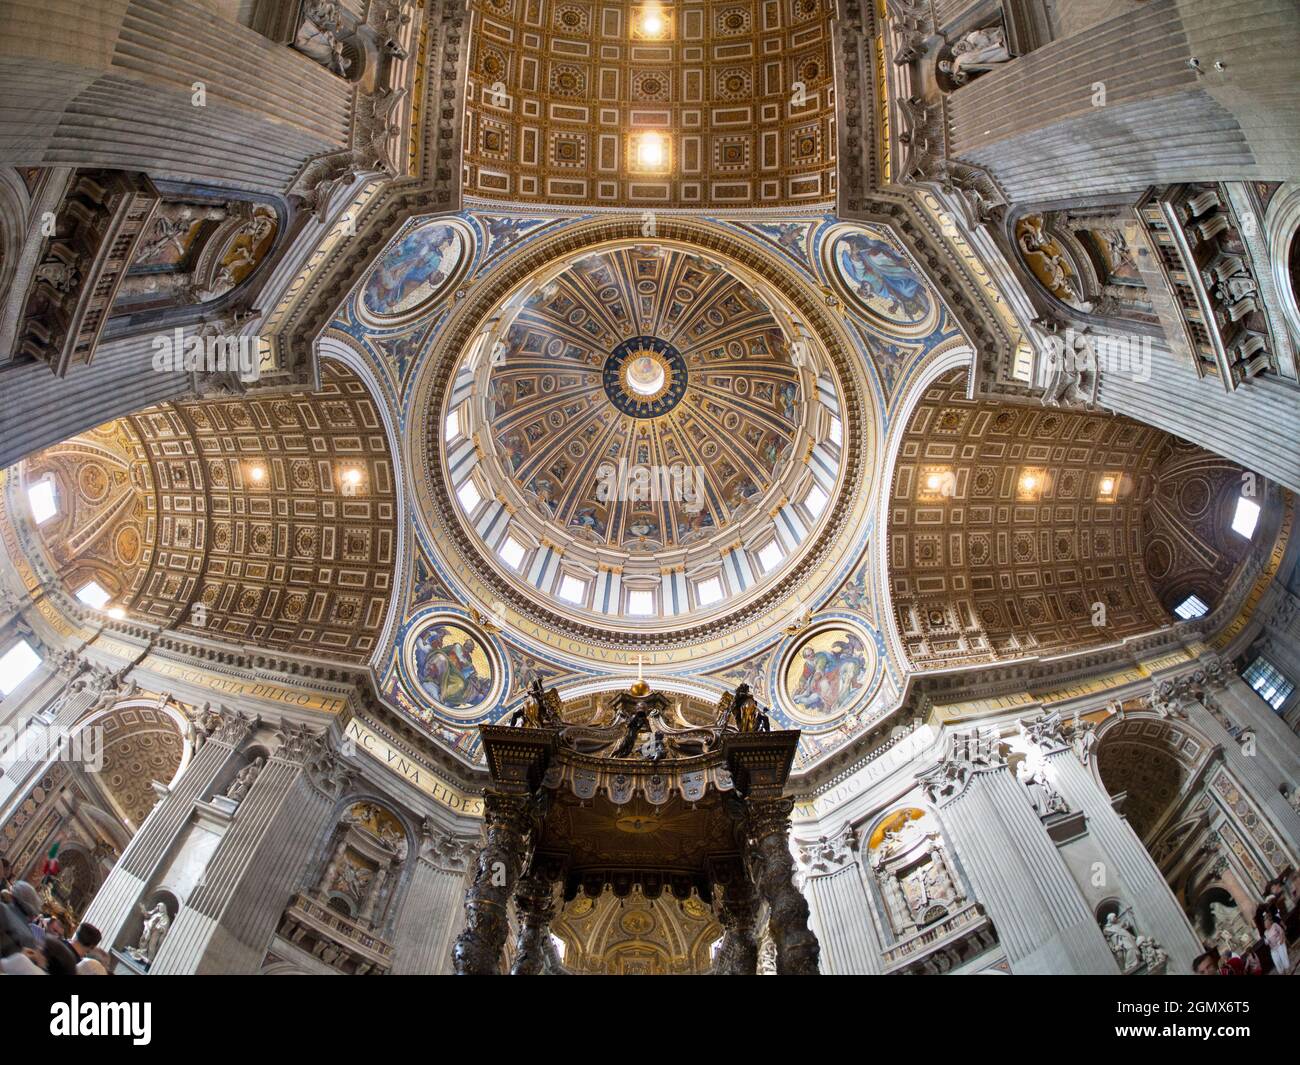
738 93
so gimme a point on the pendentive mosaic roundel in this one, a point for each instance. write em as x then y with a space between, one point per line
452 665
418 270
645 377
876 279
827 673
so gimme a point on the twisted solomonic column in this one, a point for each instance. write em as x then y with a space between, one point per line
535 905
768 826
507 819
738 913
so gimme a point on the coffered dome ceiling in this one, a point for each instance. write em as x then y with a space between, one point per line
644 437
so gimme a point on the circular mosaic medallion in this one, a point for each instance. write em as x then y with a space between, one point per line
876 279
453 666
827 673
645 377
416 272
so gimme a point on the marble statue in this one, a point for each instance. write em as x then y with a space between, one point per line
156 925
1084 741
243 781
976 52
1122 942
1152 955
1045 798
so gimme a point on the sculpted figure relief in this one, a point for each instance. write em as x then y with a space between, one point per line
976 52
243 781
156 924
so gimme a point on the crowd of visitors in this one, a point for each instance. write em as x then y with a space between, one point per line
34 940
1277 919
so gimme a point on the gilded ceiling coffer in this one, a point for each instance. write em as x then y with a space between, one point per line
643 798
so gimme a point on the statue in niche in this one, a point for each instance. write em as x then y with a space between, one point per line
157 922
1045 798
243 781
1122 941
976 52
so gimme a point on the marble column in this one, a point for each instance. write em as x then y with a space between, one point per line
738 914
228 921
1020 878
845 924
506 824
431 908
1134 875
768 827
123 889
535 905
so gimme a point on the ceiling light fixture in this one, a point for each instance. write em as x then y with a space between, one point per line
652 23
650 151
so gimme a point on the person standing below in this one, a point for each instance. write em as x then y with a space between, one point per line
1275 937
90 959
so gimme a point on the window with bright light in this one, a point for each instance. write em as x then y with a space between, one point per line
468 496
1191 607
559 945
16 665
709 591
770 557
573 590
1266 679
640 604
511 552
815 500
1246 518
93 595
452 429
43 502
837 431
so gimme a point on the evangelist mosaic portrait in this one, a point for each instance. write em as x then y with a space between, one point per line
876 280
452 666
828 674
416 271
